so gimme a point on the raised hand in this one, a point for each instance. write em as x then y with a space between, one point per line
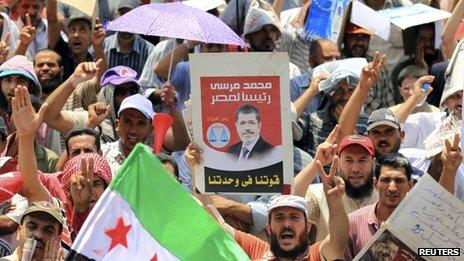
417 93
370 73
97 112
193 155
316 80
52 251
451 155
85 71
4 49
419 57
334 187
27 33
99 33
168 96
26 120
326 150
81 186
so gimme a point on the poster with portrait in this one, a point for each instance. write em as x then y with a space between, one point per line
429 217
385 246
241 120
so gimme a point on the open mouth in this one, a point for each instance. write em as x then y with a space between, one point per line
45 76
392 196
356 178
132 139
384 144
287 235
76 44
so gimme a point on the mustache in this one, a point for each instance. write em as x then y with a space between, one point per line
289 230
382 142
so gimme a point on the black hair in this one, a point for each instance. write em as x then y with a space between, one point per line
411 71
394 160
84 19
83 131
165 158
248 109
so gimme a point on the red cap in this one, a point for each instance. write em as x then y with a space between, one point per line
363 141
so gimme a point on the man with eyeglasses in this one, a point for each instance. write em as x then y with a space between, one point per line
248 124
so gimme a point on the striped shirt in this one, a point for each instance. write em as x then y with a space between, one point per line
135 59
363 225
84 95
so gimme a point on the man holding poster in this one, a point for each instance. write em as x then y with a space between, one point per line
243 123
248 124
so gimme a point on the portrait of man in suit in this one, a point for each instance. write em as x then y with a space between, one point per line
248 125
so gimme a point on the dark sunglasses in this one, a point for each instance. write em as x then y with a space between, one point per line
118 91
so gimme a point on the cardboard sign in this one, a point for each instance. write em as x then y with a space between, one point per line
241 120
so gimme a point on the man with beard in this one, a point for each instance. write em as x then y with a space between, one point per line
124 48
42 222
393 181
356 44
49 70
288 227
355 167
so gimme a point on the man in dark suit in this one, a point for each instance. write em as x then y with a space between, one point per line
248 124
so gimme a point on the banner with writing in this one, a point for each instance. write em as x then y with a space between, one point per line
241 120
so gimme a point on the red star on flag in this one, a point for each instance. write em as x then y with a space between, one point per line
118 234
154 258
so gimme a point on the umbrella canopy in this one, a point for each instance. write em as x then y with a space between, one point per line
176 20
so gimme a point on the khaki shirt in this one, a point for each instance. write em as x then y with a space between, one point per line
319 210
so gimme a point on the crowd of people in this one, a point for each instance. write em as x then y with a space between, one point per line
76 99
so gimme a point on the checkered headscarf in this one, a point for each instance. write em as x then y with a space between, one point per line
101 168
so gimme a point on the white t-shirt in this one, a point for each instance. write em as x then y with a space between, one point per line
418 126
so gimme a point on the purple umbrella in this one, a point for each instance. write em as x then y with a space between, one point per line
176 20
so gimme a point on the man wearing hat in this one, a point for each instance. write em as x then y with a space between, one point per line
118 83
355 44
289 224
128 49
385 131
80 37
42 222
355 167
133 125
16 71
262 31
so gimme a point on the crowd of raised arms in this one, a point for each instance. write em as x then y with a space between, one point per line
76 99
